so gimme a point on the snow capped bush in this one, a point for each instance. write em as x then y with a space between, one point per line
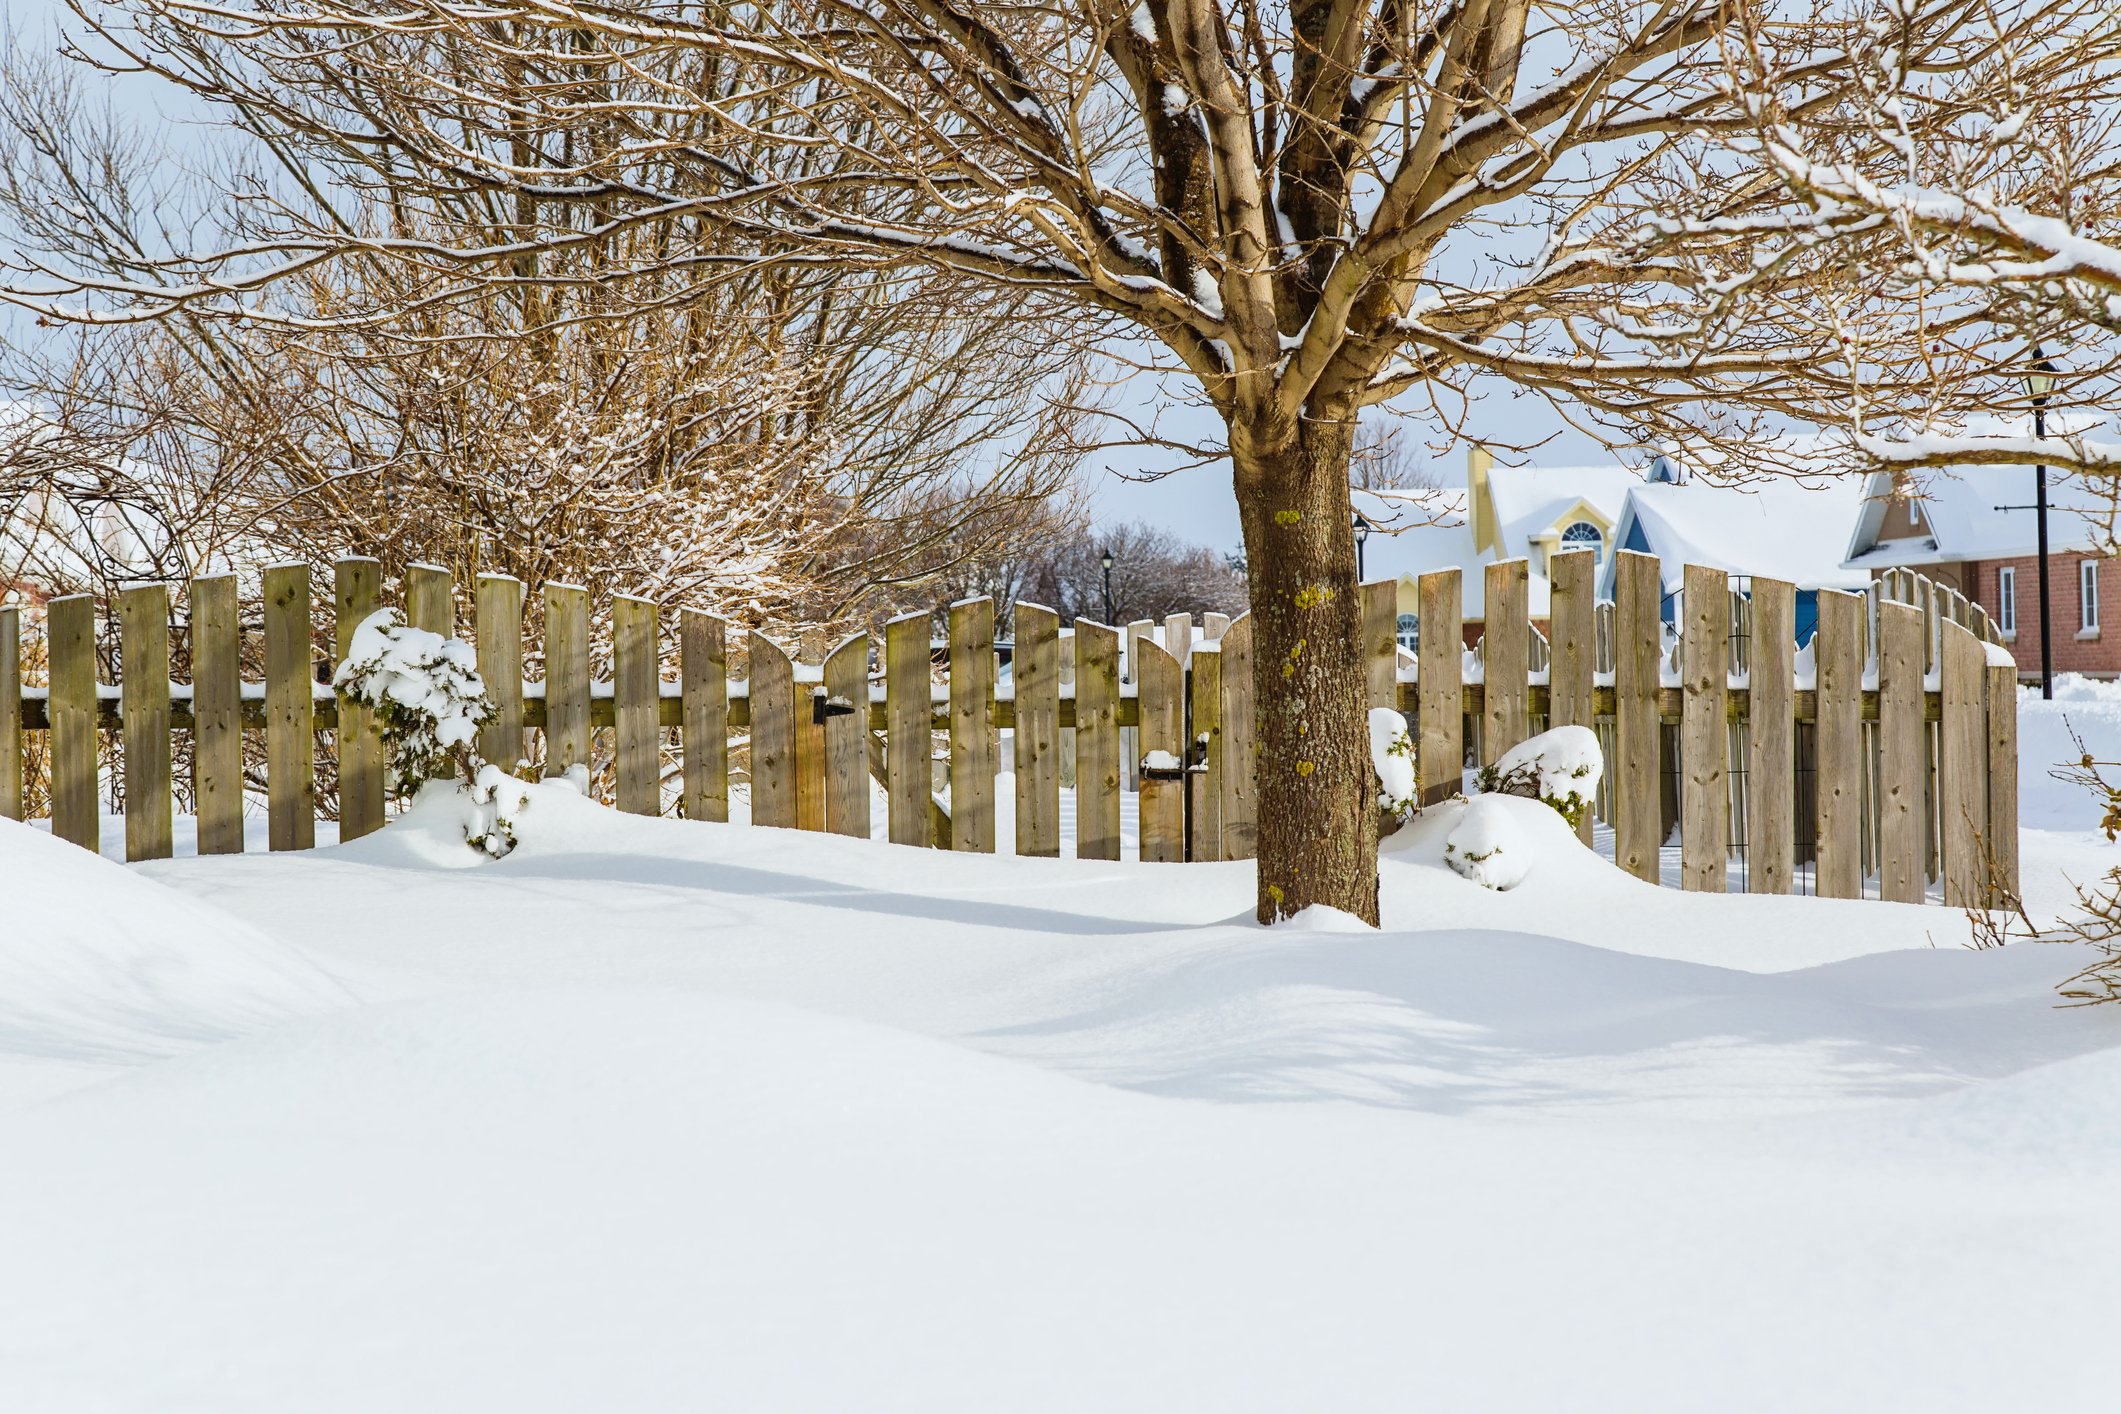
1487 846
1561 767
1392 756
430 702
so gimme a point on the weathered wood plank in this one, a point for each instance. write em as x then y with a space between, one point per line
1962 765
704 670
810 731
1097 741
567 727
1162 804
1178 636
1240 809
143 681
975 748
1638 638
1380 642
1837 665
907 703
1440 669
1573 636
1204 793
847 738
290 711
773 784
1213 625
10 713
356 593
1704 743
1504 646
1035 737
217 716
1903 756
70 642
1771 767
636 690
430 599
1130 672
498 631
2001 727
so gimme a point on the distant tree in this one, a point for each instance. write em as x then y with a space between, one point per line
1154 573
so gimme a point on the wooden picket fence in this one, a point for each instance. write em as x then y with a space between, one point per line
1867 771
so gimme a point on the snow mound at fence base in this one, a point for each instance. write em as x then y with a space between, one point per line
101 966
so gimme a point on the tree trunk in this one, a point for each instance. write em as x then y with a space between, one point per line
1316 799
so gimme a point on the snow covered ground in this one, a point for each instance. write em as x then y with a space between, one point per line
654 1115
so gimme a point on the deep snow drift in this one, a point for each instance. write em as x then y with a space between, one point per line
658 1115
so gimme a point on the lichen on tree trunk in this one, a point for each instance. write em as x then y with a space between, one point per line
1311 758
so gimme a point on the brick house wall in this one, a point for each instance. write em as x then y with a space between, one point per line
2094 654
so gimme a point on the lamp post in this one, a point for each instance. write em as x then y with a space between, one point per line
1106 561
2039 384
1362 534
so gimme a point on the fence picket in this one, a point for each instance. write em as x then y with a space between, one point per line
143 668
1902 757
907 706
1238 809
1962 764
357 592
1638 639
217 717
1505 640
10 713
2001 724
566 678
290 711
430 599
1440 708
1178 636
1837 671
847 738
1704 842
704 669
809 728
974 746
773 784
497 628
1035 673
1160 688
1204 792
1380 642
636 703
1771 767
1573 647
1097 741
70 645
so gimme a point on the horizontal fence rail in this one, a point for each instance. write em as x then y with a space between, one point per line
1879 757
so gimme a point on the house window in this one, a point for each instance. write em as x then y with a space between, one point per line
2087 595
2007 599
1582 535
1409 632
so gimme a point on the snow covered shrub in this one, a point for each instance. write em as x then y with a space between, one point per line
1561 767
1487 847
430 702
1392 756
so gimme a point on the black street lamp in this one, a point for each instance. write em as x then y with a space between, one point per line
1362 535
2040 383
1106 560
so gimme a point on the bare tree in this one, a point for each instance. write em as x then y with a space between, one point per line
1307 209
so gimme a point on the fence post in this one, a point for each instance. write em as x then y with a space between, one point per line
1439 695
10 713
1962 764
1097 741
1160 688
847 738
973 743
70 639
1238 810
1573 643
1380 642
430 599
2002 730
908 706
702 645
566 678
773 787
1771 770
290 711
1035 674
1903 760
1204 702
497 627
357 589
636 705
1638 641
143 684
217 717
1505 642
1837 734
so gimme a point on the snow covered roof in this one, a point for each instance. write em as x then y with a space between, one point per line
1530 499
1975 513
1791 528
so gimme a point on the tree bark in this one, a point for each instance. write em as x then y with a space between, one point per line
1311 757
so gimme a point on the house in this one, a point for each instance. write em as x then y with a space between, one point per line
1975 530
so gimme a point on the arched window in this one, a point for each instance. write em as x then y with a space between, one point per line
1582 535
1409 632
